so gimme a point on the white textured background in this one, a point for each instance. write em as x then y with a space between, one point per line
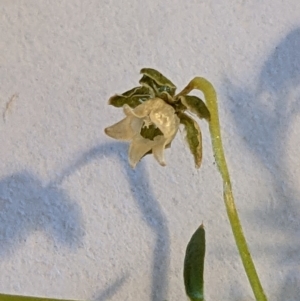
75 220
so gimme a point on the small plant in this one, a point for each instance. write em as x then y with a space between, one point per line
153 114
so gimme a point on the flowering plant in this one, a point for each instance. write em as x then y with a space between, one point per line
153 114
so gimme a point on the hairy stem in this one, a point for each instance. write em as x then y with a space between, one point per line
214 126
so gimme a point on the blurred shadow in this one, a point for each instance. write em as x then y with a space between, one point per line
151 211
26 205
111 289
290 289
263 117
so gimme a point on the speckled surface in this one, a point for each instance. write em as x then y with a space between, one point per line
75 220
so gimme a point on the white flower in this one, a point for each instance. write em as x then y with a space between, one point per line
153 112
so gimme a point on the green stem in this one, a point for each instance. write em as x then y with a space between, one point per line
214 126
5 297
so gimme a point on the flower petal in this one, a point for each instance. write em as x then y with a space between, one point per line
124 129
158 150
161 125
136 123
148 106
138 148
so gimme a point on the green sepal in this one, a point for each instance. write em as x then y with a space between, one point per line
119 101
193 137
162 83
194 266
150 84
133 97
136 91
195 105
157 91
158 82
150 132
165 96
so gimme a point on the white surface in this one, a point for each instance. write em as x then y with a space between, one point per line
75 221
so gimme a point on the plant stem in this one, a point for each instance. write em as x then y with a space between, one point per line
5 297
214 127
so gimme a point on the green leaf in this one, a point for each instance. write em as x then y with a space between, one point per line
162 83
4 297
193 137
195 105
133 97
194 266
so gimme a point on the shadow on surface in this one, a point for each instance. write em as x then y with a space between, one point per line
27 206
264 117
151 211
111 290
